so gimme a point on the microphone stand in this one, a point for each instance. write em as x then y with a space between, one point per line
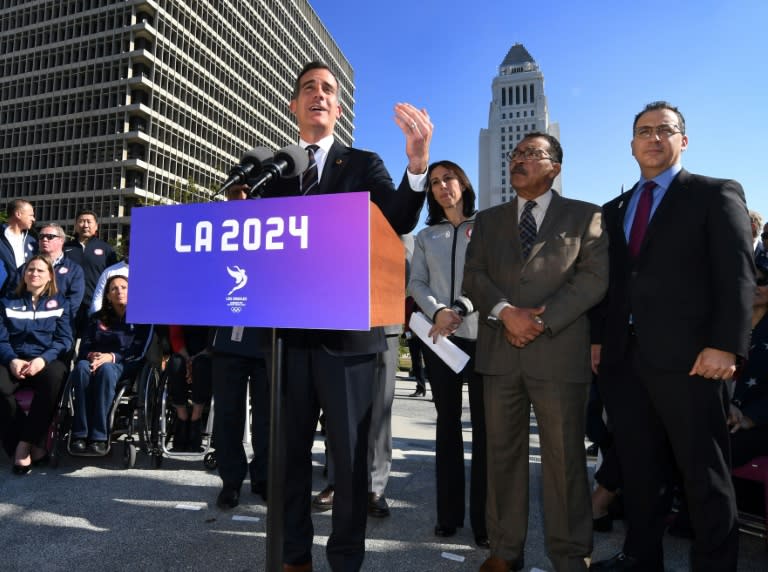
276 477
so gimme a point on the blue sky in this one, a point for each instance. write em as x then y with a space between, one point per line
602 62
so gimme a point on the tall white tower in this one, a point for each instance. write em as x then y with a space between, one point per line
518 107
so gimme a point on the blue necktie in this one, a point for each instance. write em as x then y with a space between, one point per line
527 228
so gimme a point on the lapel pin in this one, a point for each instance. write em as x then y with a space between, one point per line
339 161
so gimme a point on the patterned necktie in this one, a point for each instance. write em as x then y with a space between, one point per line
309 177
527 228
642 216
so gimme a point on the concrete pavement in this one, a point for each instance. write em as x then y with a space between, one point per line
103 517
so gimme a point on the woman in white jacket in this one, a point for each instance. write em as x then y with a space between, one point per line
437 270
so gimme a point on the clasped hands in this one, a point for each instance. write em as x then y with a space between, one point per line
98 359
21 368
522 325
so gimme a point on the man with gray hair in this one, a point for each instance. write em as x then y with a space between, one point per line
70 279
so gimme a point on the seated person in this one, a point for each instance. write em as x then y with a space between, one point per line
189 370
748 415
34 332
110 346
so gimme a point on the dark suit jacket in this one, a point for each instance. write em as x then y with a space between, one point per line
567 271
692 284
349 170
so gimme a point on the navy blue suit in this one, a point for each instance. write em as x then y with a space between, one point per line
335 370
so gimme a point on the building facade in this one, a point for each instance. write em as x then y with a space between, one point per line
518 107
109 104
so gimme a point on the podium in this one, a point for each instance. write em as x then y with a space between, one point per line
317 262
328 262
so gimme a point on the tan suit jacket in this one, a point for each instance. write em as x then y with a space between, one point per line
567 271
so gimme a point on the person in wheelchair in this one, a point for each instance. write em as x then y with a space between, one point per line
34 332
189 372
110 350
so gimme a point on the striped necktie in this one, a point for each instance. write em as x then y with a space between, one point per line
309 177
527 228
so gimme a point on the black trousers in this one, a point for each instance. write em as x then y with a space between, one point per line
342 386
32 428
655 413
449 442
234 375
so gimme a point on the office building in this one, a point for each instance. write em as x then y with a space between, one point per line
518 107
108 104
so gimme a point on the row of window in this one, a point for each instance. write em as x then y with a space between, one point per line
517 115
517 95
68 131
64 79
101 101
47 31
76 180
77 156
81 50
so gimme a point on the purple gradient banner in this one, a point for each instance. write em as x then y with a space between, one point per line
296 262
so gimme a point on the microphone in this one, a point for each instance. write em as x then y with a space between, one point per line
288 162
251 161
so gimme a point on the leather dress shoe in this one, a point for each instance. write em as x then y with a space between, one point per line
306 567
445 531
481 540
418 393
78 446
603 523
259 488
21 469
496 564
377 505
616 563
98 448
324 499
228 498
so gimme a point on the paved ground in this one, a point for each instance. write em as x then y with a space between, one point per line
102 517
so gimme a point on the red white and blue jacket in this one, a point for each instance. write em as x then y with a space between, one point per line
28 331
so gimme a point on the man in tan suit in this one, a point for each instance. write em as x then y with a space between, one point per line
534 267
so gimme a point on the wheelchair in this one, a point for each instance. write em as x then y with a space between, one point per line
131 419
166 420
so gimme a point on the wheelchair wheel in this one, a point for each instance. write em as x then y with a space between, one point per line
209 461
129 455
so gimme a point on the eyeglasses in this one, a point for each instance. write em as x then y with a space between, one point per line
660 131
764 235
528 155
762 281
49 236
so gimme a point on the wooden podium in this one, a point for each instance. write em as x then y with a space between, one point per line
328 262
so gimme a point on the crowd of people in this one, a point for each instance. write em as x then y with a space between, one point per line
656 302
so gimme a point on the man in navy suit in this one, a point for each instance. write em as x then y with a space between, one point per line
674 323
335 369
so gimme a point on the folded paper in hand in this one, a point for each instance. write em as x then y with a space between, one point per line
453 356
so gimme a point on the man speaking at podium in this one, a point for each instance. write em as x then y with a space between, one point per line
335 369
